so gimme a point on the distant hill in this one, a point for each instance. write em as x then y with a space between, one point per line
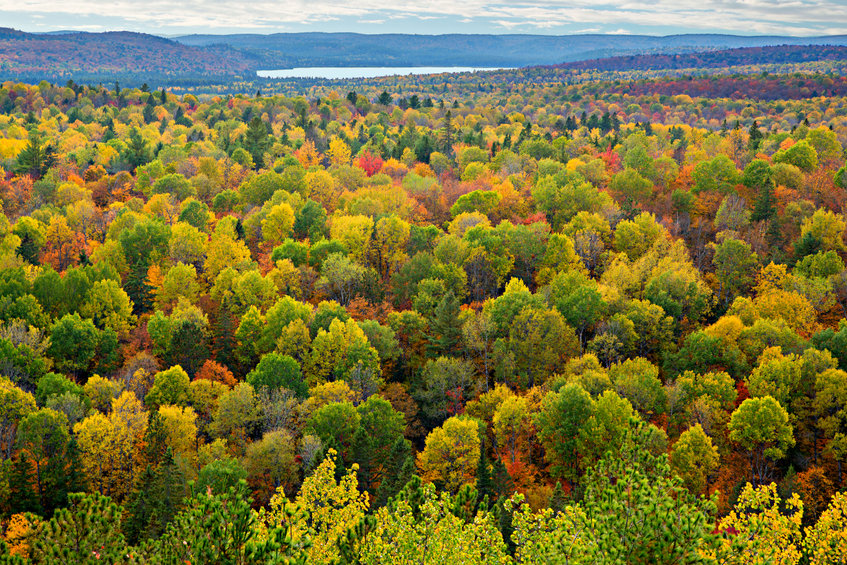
284 50
133 58
780 54
78 55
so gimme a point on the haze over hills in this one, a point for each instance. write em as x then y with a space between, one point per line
134 58
284 50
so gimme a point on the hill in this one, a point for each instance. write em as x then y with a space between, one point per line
79 55
284 50
779 54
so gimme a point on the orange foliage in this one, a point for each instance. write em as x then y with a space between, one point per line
213 371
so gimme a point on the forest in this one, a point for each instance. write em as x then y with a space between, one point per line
404 321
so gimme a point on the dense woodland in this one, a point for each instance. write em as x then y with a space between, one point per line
537 324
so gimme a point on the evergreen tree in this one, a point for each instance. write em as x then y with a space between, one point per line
87 531
400 470
139 507
448 134
484 484
765 206
257 141
62 476
154 502
755 136
501 480
445 325
22 492
155 439
28 249
137 152
138 288
558 499
36 158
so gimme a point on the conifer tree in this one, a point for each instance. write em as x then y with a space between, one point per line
445 325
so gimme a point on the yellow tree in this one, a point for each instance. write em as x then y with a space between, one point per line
826 541
308 155
762 529
429 533
451 453
278 223
324 509
108 445
339 152
180 426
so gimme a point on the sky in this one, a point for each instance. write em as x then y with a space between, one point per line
654 17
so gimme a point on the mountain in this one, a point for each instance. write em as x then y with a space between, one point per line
133 58
120 54
780 54
283 50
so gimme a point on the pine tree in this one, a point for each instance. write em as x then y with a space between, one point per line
139 507
87 531
139 289
35 158
28 250
484 484
558 498
400 467
62 476
501 480
445 325
755 136
155 439
448 134
22 495
765 205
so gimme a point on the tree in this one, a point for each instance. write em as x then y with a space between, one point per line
326 509
735 266
222 528
278 223
36 157
276 371
257 141
73 343
451 453
169 387
86 532
578 299
638 512
424 527
271 463
761 528
559 421
693 458
137 152
824 542
761 427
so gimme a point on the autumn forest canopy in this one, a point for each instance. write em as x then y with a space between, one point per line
593 313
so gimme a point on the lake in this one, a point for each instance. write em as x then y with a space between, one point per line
364 72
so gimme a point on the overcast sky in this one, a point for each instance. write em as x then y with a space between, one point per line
656 17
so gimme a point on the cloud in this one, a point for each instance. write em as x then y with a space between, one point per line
783 17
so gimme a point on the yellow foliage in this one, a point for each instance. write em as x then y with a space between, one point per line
324 509
18 533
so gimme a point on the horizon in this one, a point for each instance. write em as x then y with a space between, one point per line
68 31
794 18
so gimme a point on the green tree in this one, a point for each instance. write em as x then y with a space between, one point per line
276 371
36 157
762 428
86 532
559 421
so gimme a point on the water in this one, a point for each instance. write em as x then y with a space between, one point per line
364 72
